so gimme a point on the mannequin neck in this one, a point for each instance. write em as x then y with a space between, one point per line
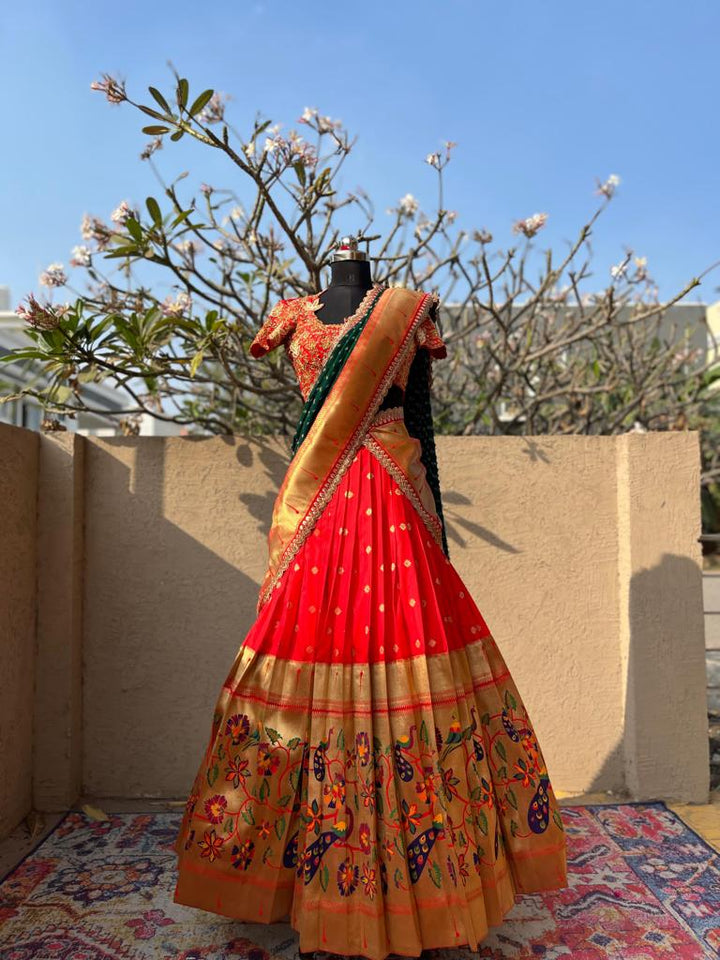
350 280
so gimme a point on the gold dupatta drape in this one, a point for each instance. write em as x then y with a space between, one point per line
343 424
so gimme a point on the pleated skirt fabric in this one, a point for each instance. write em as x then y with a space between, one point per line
371 772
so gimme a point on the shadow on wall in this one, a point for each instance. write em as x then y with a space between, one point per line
169 595
274 463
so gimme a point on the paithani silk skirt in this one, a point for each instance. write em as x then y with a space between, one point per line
371 772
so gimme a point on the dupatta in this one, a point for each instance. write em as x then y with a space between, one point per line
337 419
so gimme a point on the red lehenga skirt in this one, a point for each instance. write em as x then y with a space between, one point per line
372 774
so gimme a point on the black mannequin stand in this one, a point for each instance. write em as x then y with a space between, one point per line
350 280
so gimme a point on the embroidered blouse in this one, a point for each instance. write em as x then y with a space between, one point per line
308 340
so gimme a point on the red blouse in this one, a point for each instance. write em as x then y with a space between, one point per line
308 340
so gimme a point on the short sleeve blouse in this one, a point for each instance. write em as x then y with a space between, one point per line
278 326
308 341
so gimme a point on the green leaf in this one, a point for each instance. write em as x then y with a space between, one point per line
341 739
280 828
512 799
204 97
264 792
182 92
284 800
150 112
153 208
160 99
481 821
324 877
180 217
510 700
558 820
500 747
247 815
22 355
274 736
177 134
212 775
155 129
134 229
424 733
436 874
299 168
291 744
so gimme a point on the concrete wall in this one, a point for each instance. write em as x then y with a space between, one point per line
581 552
18 542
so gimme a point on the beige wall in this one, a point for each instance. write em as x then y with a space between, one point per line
18 496
581 552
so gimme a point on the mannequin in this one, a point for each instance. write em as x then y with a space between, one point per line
350 280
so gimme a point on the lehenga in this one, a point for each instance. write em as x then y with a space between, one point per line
372 773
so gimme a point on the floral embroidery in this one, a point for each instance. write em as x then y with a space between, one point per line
308 340
427 785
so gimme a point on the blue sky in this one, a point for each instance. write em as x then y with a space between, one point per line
541 99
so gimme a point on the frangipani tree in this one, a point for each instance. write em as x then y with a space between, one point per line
526 355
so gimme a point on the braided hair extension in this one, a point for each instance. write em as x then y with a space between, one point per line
419 424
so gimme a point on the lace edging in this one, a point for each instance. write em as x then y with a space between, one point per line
431 521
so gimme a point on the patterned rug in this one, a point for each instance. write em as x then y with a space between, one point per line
642 885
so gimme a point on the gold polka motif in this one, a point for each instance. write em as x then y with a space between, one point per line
313 570
338 611
412 601
392 528
296 567
311 609
407 563
366 588
368 512
368 549
381 608
349 494
341 570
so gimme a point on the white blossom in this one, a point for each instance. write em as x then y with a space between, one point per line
53 276
176 307
608 188
80 256
530 225
408 205
121 213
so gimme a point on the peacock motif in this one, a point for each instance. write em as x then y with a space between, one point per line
402 765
